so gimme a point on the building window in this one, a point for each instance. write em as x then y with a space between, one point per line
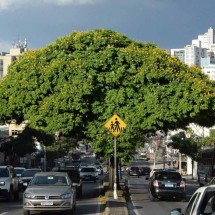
15 132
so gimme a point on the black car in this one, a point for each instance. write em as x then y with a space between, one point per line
145 170
134 171
26 177
167 184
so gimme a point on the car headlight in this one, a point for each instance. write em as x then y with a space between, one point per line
29 196
2 183
66 196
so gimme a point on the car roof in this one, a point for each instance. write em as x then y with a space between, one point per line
51 173
6 166
33 169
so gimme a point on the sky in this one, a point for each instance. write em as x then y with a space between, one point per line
167 23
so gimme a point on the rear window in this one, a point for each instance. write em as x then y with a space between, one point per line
30 173
134 168
167 176
88 170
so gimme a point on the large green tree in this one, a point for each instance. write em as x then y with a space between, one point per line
75 84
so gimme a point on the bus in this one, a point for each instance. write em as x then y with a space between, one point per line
206 165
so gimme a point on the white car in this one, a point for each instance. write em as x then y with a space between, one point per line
89 173
201 202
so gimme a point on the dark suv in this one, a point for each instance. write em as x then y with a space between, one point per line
167 184
134 171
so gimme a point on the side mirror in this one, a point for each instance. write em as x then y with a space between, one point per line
176 211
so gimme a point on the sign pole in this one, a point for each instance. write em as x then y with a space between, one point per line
115 125
115 171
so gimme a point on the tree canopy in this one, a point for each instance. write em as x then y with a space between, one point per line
75 84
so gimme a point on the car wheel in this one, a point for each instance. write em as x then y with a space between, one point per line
25 212
151 197
185 199
16 195
71 212
10 196
79 192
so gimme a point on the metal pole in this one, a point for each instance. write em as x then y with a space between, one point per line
155 154
44 159
115 171
180 162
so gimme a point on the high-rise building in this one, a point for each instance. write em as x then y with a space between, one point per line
201 52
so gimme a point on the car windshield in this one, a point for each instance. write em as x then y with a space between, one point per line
4 172
29 173
167 176
134 168
49 180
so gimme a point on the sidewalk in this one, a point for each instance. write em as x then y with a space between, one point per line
116 206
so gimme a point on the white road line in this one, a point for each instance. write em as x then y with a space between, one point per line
4 213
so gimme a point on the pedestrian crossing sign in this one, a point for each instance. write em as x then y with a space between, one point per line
115 125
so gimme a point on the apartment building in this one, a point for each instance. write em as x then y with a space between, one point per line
7 58
201 52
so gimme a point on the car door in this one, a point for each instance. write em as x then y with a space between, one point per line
191 207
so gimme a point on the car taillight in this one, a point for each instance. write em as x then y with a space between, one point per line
155 183
182 184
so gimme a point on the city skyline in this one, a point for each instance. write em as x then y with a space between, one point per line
167 23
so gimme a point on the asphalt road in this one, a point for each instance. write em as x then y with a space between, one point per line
90 203
139 203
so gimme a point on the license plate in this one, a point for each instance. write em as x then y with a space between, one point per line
47 203
169 185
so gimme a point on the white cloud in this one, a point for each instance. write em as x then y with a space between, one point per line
66 2
8 4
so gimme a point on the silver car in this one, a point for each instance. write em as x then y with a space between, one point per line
50 192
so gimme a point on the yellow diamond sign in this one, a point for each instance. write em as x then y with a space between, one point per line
115 125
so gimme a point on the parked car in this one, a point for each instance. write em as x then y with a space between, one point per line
134 171
89 173
26 177
201 202
167 184
49 192
144 157
9 182
19 171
